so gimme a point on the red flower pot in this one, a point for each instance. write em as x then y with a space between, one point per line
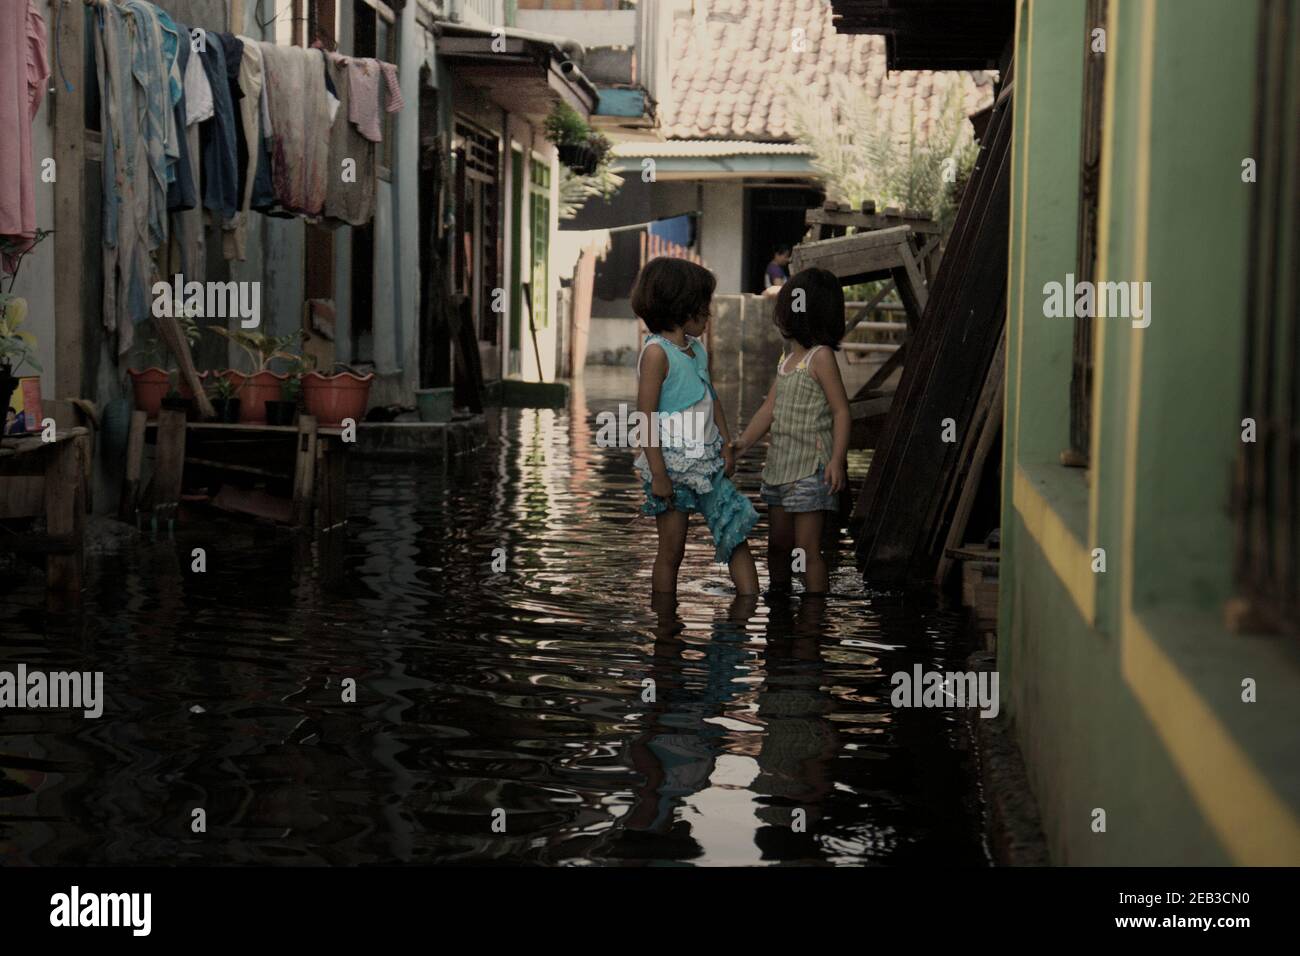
332 398
149 386
183 387
257 391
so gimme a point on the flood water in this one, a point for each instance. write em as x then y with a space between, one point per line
521 697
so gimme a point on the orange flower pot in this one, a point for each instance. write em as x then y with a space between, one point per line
256 392
332 398
149 386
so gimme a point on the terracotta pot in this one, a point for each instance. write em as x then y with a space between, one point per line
183 387
332 398
149 387
256 392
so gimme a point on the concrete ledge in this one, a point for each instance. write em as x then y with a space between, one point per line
425 440
1012 824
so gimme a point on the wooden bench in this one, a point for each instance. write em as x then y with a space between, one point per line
49 478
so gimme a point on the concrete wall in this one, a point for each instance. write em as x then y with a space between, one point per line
1124 686
722 233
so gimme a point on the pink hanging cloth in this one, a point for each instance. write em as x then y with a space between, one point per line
24 69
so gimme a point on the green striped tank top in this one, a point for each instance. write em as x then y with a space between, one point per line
802 433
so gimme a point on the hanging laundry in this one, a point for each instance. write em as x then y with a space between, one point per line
153 66
218 136
125 176
294 79
348 199
235 240
364 104
182 192
23 71
198 92
187 249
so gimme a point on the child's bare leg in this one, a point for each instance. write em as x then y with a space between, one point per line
672 546
808 536
780 542
743 573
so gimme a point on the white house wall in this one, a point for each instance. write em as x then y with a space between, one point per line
722 233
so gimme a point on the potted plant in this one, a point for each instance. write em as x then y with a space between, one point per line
285 410
222 391
177 401
332 398
151 384
571 136
600 148
261 385
16 346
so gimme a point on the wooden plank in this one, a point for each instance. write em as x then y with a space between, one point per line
865 222
70 189
304 478
134 466
917 292
170 329
967 483
254 502
21 496
331 508
169 465
947 363
881 375
231 466
64 516
870 306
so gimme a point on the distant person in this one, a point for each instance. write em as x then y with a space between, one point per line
686 459
778 271
807 411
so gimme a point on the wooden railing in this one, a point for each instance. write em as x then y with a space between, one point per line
654 247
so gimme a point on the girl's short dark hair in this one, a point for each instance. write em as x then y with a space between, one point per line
810 309
669 292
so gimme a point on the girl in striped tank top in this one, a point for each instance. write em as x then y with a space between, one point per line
807 411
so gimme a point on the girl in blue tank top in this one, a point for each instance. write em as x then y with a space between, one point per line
686 463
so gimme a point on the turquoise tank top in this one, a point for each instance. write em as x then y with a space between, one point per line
687 380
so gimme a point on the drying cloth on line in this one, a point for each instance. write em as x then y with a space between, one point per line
24 69
182 191
350 196
300 120
153 65
125 177
234 241
364 105
218 136
198 93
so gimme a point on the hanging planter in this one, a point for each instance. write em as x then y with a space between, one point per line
579 157
332 398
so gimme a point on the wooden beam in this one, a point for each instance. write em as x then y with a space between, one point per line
64 515
304 475
169 466
134 466
70 239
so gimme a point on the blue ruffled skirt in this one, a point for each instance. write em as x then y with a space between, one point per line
727 512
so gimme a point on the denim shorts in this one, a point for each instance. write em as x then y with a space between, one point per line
806 494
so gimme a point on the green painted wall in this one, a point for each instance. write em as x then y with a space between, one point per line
1132 701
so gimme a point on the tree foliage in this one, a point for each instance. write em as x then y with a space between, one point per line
862 157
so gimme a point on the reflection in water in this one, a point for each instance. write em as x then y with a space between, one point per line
608 729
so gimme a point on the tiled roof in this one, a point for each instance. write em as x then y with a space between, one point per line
732 61
708 148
